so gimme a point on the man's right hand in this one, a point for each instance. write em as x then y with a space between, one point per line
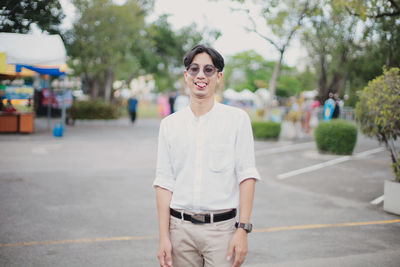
164 252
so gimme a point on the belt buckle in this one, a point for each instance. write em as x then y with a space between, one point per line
198 218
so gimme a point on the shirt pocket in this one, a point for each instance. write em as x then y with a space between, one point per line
221 158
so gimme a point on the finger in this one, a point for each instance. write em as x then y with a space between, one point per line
240 255
230 252
168 258
161 259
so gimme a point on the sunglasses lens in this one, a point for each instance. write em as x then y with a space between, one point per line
209 71
193 70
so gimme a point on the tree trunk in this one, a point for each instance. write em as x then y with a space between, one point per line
322 81
272 86
108 81
93 86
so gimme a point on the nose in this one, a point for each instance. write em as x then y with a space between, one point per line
201 74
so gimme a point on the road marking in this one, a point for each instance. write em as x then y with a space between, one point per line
261 230
369 152
377 200
318 226
282 149
328 163
313 167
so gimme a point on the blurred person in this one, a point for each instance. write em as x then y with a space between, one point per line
171 101
9 108
329 107
181 101
336 110
163 105
205 170
132 107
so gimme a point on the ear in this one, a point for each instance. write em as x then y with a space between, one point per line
185 74
219 76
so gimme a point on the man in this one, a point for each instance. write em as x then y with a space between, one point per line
132 105
205 170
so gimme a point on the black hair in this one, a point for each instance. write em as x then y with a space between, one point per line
216 57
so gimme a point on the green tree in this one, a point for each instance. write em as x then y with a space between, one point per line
18 15
378 112
332 45
371 8
284 18
249 70
102 37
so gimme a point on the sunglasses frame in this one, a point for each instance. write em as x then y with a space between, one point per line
194 74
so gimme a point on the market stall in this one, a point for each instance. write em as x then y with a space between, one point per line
24 55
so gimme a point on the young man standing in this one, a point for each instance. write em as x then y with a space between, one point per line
205 170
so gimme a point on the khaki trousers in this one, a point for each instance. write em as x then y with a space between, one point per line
198 245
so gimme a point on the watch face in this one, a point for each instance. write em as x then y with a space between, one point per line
246 226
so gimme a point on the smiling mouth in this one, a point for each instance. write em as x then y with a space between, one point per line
201 85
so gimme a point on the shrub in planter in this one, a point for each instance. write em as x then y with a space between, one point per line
336 137
94 110
266 129
378 112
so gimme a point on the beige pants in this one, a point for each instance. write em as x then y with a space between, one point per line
198 245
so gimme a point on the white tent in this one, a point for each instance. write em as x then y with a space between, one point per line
29 49
248 95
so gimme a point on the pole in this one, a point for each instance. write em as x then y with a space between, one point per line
63 108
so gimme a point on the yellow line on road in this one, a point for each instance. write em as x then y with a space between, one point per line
317 226
127 238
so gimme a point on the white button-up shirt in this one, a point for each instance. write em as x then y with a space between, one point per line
203 160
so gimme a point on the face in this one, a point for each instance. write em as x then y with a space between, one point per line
200 79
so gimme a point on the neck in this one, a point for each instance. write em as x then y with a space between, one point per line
201 106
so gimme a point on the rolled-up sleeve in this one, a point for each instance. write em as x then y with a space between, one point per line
164 174
245 166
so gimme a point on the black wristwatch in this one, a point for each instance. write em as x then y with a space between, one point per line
246 226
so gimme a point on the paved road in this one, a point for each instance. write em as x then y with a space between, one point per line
86 200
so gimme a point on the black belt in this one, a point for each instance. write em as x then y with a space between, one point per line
204 218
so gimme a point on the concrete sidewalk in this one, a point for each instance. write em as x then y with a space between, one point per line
86 200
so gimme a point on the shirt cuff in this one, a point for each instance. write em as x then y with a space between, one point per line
164 183
248 174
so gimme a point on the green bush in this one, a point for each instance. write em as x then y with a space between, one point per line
336 137
266 129
94 110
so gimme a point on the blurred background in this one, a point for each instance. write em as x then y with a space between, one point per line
281 56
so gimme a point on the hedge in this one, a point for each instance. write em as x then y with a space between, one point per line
336 137
94 110
266 129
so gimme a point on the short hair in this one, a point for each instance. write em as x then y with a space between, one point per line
216 57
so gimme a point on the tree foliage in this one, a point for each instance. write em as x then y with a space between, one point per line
102 37
331 40
378 111
371 8
249 70
18 15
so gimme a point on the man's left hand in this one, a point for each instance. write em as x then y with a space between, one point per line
238 246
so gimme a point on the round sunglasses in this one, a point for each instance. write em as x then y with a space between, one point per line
208 70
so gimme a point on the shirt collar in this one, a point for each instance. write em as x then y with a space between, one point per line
205 116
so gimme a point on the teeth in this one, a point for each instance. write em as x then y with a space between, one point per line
201 84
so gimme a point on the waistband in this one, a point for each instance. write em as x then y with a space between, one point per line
204 217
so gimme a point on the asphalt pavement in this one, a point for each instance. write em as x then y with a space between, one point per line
86 200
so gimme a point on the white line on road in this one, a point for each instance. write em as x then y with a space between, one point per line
369 152
327 163
283 149
377 200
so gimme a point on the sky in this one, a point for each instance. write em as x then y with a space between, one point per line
216 15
